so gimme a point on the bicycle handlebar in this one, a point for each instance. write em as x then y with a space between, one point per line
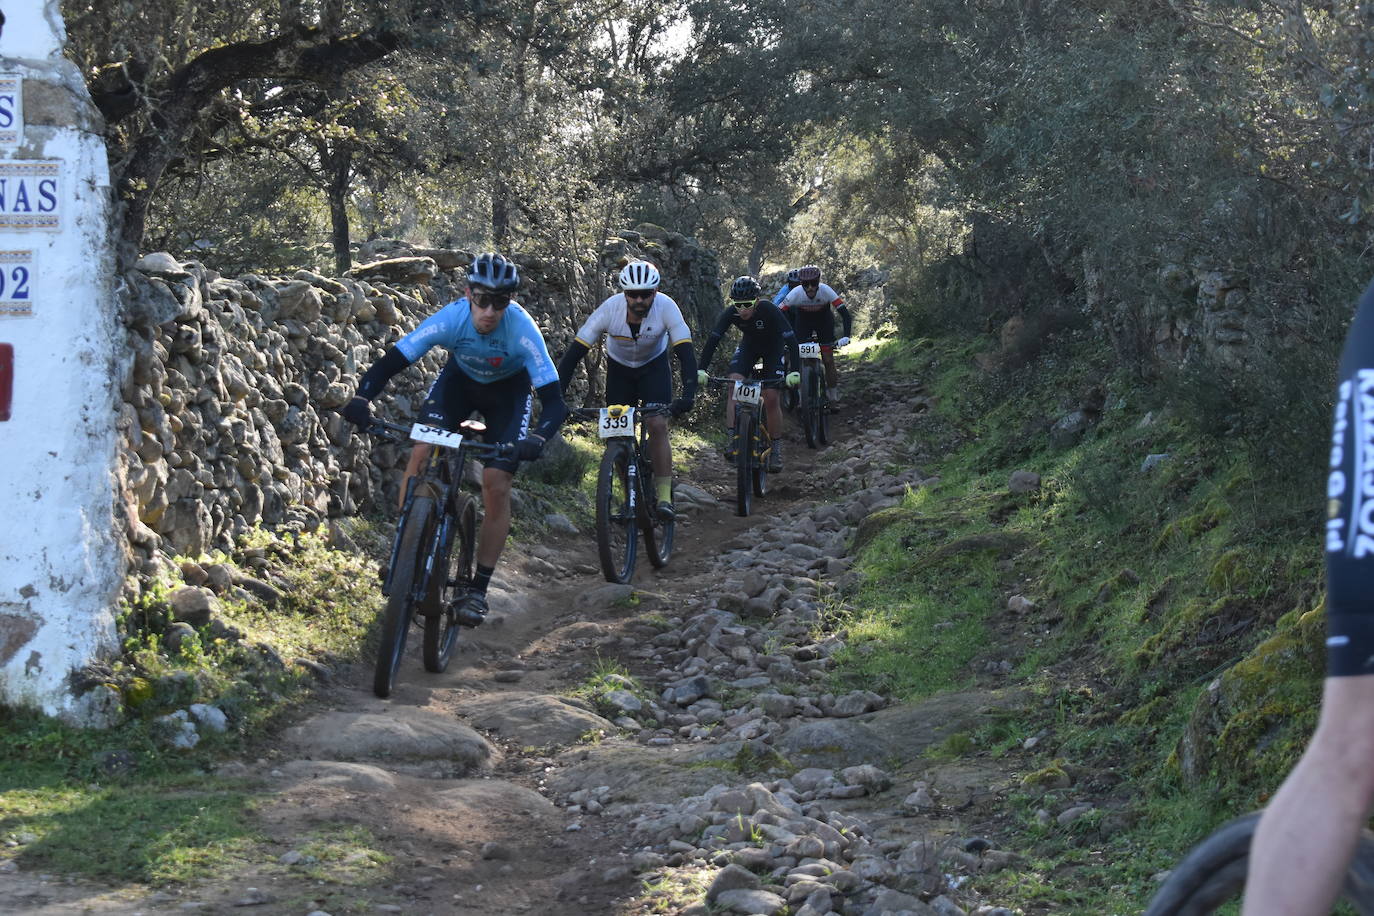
594 413
765 382
396 433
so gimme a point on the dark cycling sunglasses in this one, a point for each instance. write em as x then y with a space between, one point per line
489 299
640 294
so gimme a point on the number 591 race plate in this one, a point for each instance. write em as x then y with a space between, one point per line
810 350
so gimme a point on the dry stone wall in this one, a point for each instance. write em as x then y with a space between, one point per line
231 389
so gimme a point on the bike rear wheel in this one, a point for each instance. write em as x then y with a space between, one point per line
449 583
1213 873
615 522
810 396
744 462
400 606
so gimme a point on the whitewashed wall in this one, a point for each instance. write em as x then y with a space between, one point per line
60 568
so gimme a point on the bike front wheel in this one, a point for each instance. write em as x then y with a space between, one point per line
615 522
400 606
1213 873
449 583
810 406
744 462
763 445
822 410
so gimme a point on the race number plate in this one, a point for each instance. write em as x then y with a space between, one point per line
615 424
748 392
810 350
433 435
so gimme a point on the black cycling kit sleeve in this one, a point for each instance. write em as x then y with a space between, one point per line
712 339
380 372
568 364
552 410
687 362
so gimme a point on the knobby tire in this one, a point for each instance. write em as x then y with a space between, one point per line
822 409
449 582
615 525
744 459
399 606
810 406
1213 873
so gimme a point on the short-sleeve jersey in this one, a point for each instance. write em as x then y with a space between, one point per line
825 297
662 327
513 346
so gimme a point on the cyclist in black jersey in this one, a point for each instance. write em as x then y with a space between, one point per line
764 335
1307 835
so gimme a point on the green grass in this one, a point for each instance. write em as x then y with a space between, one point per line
163 820
120 804
1148 588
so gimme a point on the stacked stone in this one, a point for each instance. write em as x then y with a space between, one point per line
232 387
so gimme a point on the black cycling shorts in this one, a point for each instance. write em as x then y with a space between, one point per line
821 322
504 405
1350 505
774 359
651 383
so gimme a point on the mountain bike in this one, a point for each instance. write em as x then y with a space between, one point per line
625 504
434 548
815 394
750 442
1213 873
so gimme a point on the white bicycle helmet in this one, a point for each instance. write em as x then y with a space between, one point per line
639 275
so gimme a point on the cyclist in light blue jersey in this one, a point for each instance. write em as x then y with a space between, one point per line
496 355
792 282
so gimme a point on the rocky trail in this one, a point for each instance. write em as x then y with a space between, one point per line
734 782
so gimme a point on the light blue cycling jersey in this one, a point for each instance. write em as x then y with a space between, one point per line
782 293
513 345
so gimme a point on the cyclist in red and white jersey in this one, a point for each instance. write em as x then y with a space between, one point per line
811 307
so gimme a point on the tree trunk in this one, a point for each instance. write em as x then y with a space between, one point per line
500 214
338 211
303 54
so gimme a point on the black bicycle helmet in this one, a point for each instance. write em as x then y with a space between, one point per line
494 272
809 274
745 289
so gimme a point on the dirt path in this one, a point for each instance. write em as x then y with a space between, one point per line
437 836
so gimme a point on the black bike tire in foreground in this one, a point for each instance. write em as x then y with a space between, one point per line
1213 873
810 406
822 409
448 583
744 447
613 516
399 606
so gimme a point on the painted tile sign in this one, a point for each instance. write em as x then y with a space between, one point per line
11 109
29 193
16 282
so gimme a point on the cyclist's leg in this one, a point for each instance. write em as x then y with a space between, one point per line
1309 832
774 368
651 383
506 406
444 406
824 324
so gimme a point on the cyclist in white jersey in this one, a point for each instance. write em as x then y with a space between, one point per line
639 326
808 308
